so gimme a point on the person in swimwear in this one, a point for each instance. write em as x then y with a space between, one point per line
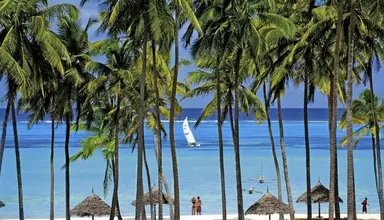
193 201
365 203
198 206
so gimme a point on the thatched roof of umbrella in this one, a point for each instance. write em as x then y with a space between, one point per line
267 205
155 198
319 194
2 204
91 206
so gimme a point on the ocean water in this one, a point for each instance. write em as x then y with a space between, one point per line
198 167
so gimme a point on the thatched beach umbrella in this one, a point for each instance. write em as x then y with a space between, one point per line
319 194
268 205
2 204
155 198
91 206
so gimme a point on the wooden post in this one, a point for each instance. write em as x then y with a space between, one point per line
319 210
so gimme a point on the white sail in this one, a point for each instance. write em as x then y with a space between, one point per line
188 134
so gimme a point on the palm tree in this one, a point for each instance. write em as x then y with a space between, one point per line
369 42
40 106
376 144
4 132
19 33
28 31
274 155
115 78
339 5
204 44
362 116
351 206
75 39
180 7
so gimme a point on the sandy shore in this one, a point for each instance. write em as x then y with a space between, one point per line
218 217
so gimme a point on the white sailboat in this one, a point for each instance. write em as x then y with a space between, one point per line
188 134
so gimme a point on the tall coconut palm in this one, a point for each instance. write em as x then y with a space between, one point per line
26 32
274 155
377 155
180 7
76 41
214 43
339 5
369 41
351 206
40 107
29 24
115 78
362 116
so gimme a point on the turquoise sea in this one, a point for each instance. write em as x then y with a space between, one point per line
198 167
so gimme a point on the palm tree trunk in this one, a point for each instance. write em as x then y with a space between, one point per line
307 149
285 162
118 212
350 166
172 120
376 146
52 170
163 178
116 158
375 163
274 155
336 177
143 213
140 147
67 181
159 150
240 209
4 133
149 183
18 164
333 122
221 145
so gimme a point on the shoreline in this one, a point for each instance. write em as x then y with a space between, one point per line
218 217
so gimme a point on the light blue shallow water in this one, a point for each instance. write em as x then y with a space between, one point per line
198 168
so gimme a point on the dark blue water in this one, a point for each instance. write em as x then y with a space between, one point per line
289 114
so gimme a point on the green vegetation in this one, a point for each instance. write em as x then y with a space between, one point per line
326 45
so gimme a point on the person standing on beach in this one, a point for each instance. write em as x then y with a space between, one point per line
193 200
198 206
365 203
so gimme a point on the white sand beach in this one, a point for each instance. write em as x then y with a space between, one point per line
230 217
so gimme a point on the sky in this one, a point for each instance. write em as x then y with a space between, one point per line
292 99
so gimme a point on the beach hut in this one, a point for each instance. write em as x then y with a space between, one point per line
319 194
2 204
268 205
91 206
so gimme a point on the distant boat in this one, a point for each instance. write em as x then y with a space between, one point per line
188 134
